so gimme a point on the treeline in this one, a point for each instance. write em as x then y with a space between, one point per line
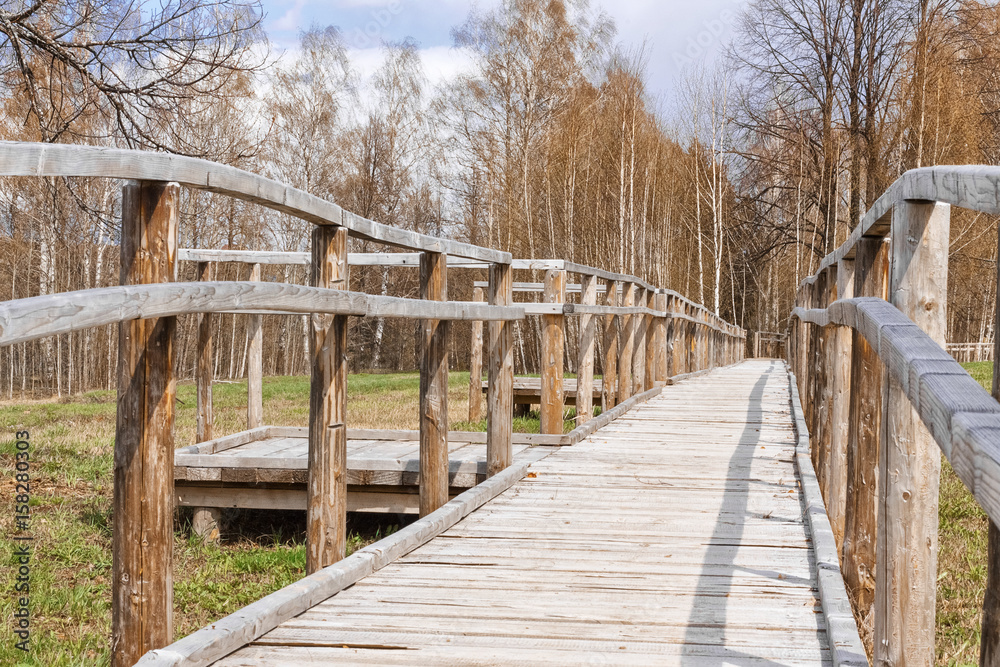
549 145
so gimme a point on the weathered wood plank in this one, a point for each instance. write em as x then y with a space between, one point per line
840 410
255 364
587 348
553 348
609 388
499 397
433 388
476 363
326 517
142 536
626 344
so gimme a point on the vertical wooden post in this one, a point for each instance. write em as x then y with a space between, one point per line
824 387
143 516
326 495
625 344
609 382
678 355
638 342
802 359
989 644
500 388
553 348
585 362
255 364
205 520
652 336
661 344
433 387
690 339
864 427
910 461
840 412
476 364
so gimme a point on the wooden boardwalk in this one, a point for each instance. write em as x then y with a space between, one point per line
673 536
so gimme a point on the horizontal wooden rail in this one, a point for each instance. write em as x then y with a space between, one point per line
961 416
37 317
36 159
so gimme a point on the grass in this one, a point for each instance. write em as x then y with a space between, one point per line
961 559
71 484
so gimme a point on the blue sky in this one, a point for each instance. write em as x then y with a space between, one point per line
675 30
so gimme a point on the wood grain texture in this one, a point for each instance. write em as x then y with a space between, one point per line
909 462
326 516
499 397
476 363
871 265
203 368
36 159
989 643
609 388
553 348
255 364
433 388
586 351
840 408
143 508
626 344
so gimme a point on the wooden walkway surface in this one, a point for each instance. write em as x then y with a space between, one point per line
675 535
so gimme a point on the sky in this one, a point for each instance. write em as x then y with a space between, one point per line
675 32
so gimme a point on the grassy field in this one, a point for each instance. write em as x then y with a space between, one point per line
72 443
263 551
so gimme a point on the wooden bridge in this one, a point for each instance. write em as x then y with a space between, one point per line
718 510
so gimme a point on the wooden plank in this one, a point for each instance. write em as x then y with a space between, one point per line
609 388
910 464
989 642
40 159
433 388
553 348
142 535
585 354
824 388
255 364
499 398
476 363
660 351
203 368
871 265
626 344
326 516
840 410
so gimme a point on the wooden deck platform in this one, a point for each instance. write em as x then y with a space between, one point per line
528 390
266 468
675 535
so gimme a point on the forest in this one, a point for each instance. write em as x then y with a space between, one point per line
548 145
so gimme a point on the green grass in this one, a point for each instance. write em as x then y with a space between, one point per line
72 445
961 559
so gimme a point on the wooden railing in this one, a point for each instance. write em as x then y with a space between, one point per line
769 345
882 396
966 352
651 335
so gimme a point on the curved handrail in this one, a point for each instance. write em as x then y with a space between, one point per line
973 187
961 416
37 159
32 318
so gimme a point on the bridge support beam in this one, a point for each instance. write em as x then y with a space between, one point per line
585 358
553 400
500 388
433 387
609 392
910 461
142 537
326 494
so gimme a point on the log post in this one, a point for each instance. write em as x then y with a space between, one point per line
326 495
433 387
865 424
910 461
824 394
638 342
802 359
661 344
678 355
255 364
585 359
609 381
626 343
205 520
553 399
476 364
500 388
989 644
840 411
690 338
143 509
652 338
